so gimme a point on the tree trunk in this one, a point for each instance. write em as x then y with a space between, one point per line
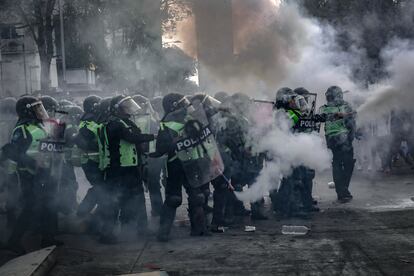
45 62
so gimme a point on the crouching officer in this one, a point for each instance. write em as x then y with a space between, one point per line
122 141
38 189
340 130
172 129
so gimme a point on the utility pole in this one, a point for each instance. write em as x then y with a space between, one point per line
24 66
62 42
1 75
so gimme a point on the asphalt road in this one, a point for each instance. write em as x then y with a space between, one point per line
372 235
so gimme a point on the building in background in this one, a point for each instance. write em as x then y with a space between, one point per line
19 62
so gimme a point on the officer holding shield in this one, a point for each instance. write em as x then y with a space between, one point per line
38 189
177 132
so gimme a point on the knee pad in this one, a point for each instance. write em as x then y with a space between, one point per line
173 201
197 199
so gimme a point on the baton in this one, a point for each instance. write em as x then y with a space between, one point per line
226 179
264 101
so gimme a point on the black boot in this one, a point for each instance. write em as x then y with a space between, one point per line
258 212
198 222
166 221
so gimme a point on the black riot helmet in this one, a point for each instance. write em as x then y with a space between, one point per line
124 106
50 103
209 104
65 103
74 114
283 97
140 100
334 95
301 91
173 102
221 96
143 102
156 104
103 109
29 107
90 104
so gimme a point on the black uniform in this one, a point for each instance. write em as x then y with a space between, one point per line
176 179
125 179
38 189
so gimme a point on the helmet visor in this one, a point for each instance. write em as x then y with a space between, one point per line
211 101
183 103
302 104
129 106
39 111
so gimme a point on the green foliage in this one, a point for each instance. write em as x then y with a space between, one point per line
123 39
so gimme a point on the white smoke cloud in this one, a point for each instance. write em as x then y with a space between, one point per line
396 91
280 46
286 150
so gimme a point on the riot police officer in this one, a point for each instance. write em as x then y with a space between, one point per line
122 156
10 182
251 162
307 103
173 126
220 119
340 130
51 105
38 189
292 198
87 141
68 182
147 120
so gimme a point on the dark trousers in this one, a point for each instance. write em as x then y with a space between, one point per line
294 193
68 189
286 199
176 179
12 201
223 199
307 187
38 208
155 166
342 169
124 195
92 198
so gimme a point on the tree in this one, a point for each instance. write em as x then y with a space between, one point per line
37 15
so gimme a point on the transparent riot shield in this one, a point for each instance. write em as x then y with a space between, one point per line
143 122
52 150
198 151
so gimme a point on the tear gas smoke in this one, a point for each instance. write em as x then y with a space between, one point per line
395 92
286 150
275 46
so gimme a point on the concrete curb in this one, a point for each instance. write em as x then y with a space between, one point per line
37 263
